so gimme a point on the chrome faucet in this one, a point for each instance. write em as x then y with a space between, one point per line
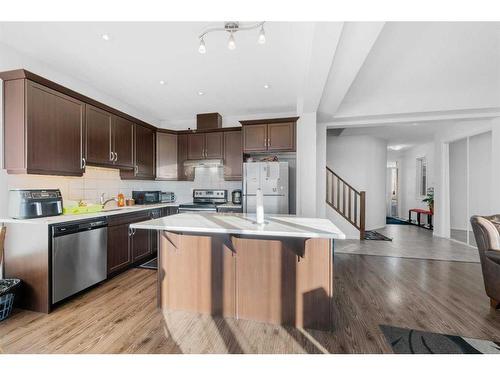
104 202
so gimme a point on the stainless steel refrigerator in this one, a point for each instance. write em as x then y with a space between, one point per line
272 178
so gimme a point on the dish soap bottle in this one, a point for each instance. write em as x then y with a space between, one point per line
121 200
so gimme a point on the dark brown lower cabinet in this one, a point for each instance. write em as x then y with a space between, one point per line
119 256
126 246
140 244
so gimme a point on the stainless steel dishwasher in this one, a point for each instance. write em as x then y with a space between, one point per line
79 257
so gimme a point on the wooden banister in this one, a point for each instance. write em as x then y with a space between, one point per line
347 201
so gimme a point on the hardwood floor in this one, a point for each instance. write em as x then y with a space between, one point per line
120 316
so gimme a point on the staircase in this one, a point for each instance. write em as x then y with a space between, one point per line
347 201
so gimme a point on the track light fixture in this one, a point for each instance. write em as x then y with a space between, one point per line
232 28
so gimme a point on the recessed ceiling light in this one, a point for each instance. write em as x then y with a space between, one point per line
396 147
162 82
266 86
200 93
105 37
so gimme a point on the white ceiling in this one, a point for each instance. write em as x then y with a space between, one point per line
403 134
354 72
130 65
428 66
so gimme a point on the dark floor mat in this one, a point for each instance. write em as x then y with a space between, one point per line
376 236
394 220
150 265
409 341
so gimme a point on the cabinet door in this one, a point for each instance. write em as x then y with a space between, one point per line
255 138
119 255
281 136
182 156
55 124
166 156
214 145
123 142
98 130
196 146
144 152
141 244
233 155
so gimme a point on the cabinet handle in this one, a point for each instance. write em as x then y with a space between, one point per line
111 156
129 232
116 156
84 163
136 169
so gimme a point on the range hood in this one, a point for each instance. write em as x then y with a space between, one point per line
205 121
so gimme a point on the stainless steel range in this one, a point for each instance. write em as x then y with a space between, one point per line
205 200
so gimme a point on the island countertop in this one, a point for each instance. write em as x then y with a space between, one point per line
245 224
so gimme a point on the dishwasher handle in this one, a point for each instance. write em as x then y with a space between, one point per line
63 230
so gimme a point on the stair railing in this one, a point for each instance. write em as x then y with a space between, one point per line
347 201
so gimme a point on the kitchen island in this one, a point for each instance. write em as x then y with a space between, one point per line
279 272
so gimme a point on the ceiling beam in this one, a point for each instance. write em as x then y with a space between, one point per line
317 63
414 117
356 42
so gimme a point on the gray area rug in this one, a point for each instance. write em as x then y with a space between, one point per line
409 341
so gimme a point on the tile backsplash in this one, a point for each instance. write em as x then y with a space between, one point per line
97 181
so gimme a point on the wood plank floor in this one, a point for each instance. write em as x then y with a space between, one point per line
120 316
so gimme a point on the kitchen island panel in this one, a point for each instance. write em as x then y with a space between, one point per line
197 274
287 281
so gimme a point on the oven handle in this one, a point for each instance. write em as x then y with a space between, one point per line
181 209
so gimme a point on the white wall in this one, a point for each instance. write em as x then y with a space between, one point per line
458 184
362 162
452 133
306 165
408 193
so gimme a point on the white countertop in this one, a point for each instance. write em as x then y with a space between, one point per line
244 224
67 218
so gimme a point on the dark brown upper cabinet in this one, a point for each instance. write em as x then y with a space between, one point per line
233 155
43 129
281 136
98 130
214 145
196 146
166 156
46 127
205 145
110 140
144 155
255 138
182 156
269 135
123 142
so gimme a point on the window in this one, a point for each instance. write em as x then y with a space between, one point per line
421 177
